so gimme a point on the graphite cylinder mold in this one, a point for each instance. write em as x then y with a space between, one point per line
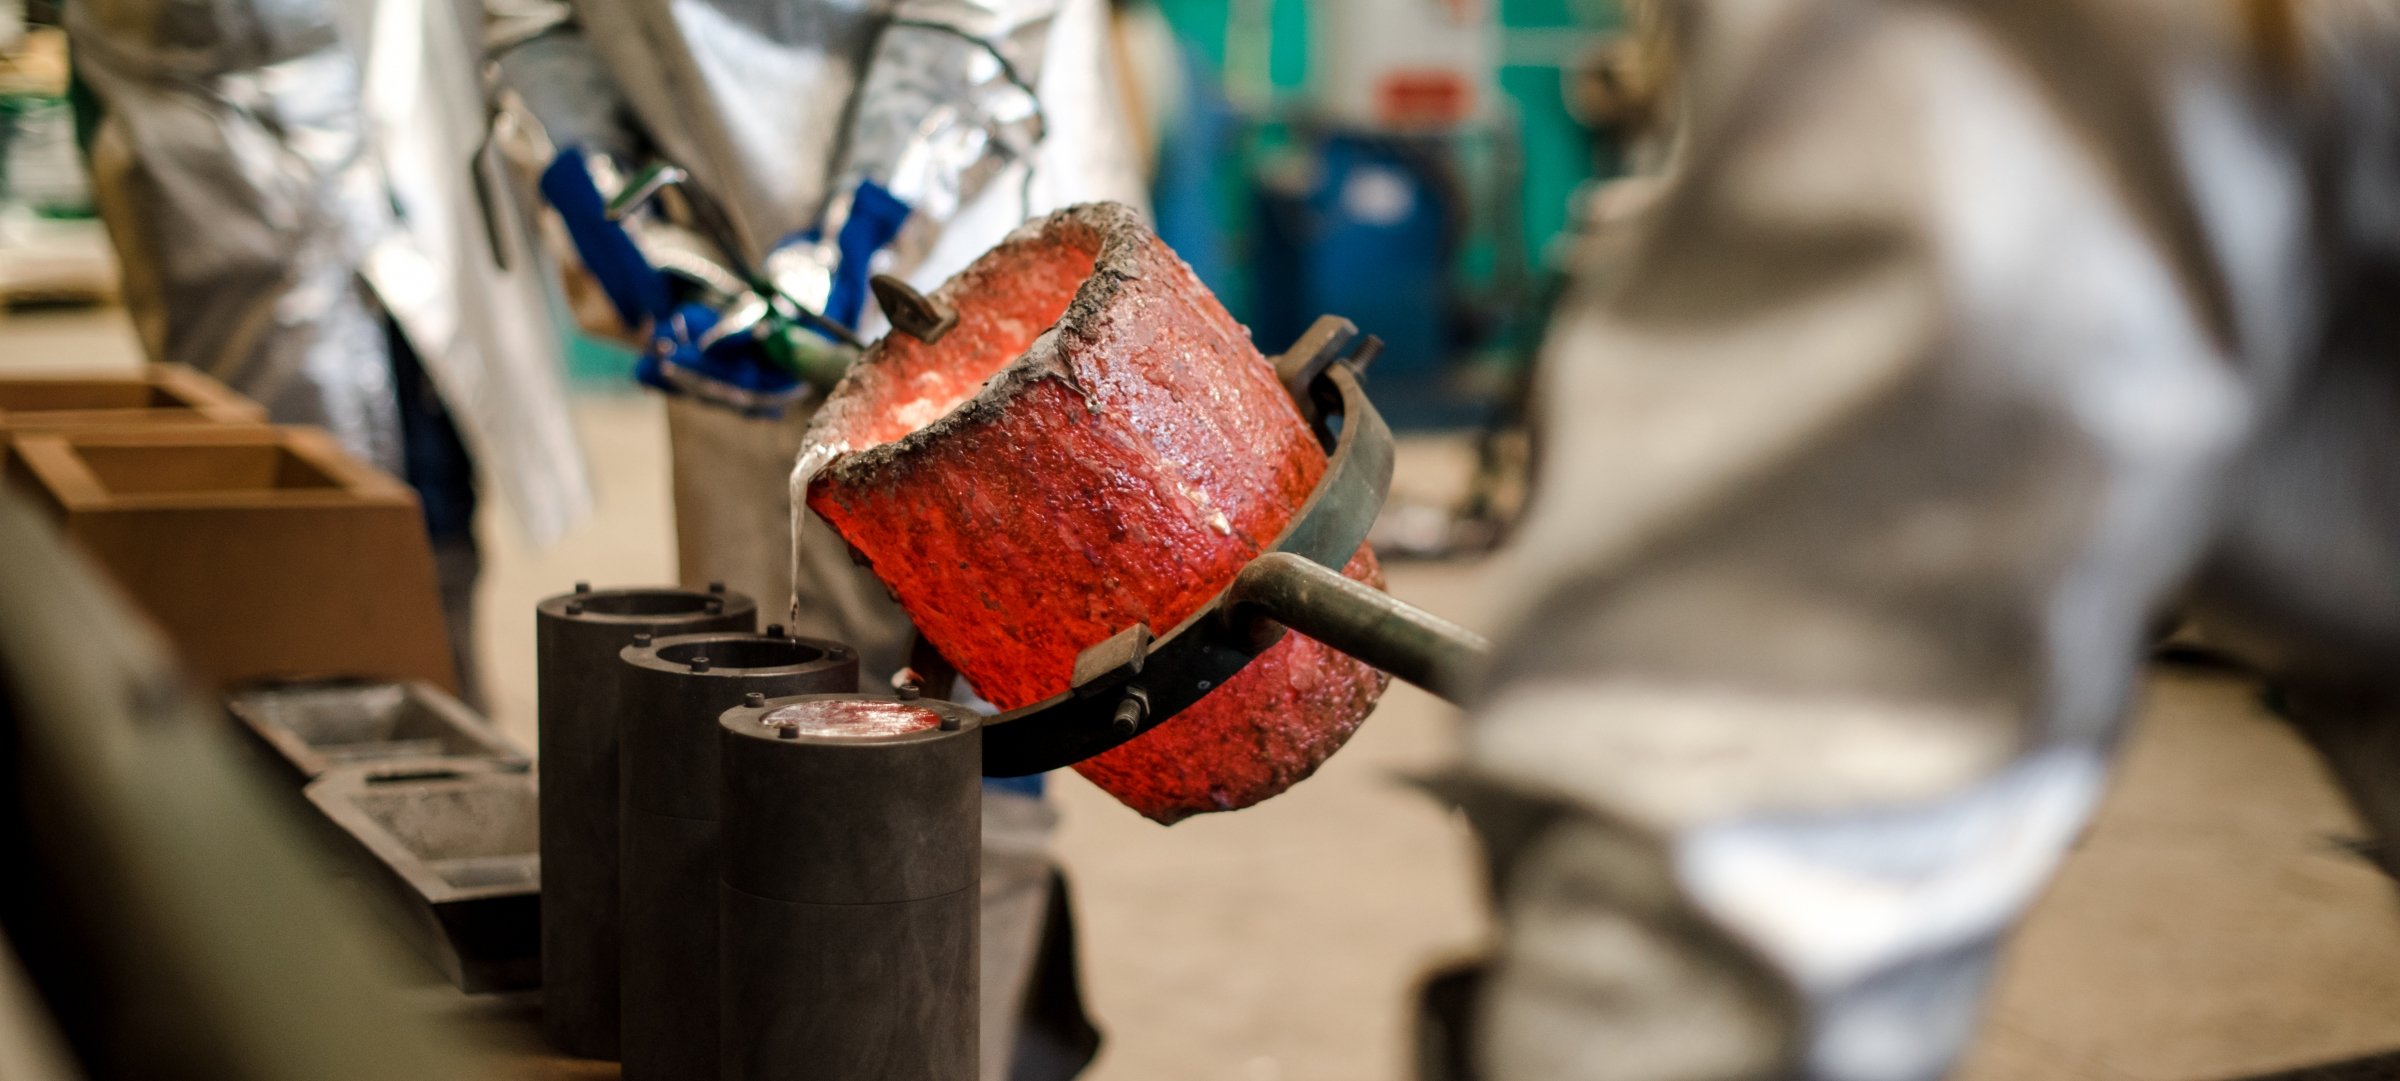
578 636
454 838
675 689
852 837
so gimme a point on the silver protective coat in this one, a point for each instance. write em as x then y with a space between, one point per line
1964 338
465 274
960 107
239 182
277 174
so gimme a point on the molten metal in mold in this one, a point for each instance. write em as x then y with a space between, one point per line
857 718
1095 444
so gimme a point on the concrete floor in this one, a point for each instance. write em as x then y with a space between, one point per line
2210 925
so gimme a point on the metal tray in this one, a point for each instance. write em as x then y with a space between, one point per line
316 725
457 841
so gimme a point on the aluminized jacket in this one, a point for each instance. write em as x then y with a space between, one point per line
1965 339
278 175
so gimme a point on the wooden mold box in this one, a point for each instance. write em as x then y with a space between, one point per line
263 552
156 395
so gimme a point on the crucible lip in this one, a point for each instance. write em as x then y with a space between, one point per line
1123 237
731 653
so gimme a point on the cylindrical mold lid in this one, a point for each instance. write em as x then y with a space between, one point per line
1095 443
671 751
844 800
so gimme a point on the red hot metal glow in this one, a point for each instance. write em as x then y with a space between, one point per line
858 718
1096 443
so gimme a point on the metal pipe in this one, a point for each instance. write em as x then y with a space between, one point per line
1414 645
852 847
675 689
577 636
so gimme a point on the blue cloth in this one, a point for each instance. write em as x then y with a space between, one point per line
876 216
624 274
432 455
1023 786
736 360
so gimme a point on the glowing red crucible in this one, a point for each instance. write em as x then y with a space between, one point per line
1096 443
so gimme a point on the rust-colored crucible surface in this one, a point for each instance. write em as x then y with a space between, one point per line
1095 444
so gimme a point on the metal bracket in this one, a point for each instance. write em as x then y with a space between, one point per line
1115 660
1327 341
644 187
1164 676
911 312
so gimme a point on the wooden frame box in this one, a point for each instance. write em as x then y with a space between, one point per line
262 552
155 394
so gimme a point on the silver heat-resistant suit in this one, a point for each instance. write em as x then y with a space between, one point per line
1966 340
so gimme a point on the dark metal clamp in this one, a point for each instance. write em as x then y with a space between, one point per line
1136 679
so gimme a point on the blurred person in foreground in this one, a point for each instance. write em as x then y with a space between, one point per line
1963 340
